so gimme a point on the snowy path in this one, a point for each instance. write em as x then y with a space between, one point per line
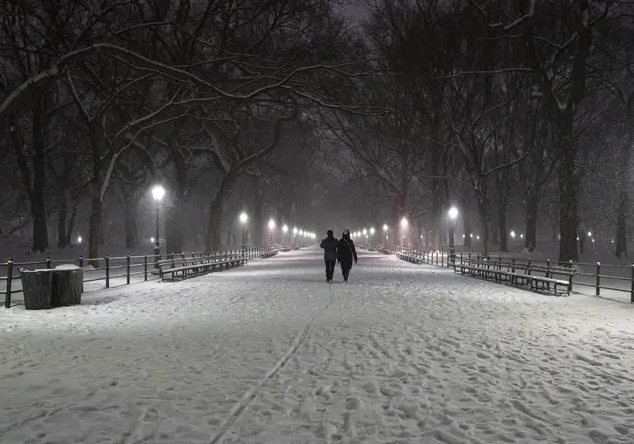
269 353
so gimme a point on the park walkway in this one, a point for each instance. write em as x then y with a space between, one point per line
270 353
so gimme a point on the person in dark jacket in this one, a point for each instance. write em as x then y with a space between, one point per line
346 253
329 244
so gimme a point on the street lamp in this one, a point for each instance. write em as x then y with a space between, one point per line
158 192
404 222
271 228
453 216
243 221
284 230
385 228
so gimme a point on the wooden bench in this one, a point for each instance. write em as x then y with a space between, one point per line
409 257
519 273
268 254
183 267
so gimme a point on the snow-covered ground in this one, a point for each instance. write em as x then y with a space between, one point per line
270 353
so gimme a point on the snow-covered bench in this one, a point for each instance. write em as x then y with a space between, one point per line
183 267
268 254
519 273
410 257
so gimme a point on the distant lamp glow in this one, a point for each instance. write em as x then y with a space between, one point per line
365 232
301 232
471 235
243 218
271 224
453 213
79 239
521 236
404 222
385 227
285 229
152 239
513 234
295 230
478 237
589 233
158 192
372 231
463 236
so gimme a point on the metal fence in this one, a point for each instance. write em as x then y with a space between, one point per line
596 276
117 270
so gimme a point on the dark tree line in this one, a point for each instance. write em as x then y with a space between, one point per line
502 108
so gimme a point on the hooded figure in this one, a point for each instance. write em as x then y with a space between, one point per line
346 253
329 244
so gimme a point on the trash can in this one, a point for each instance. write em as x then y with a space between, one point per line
37 286
67 286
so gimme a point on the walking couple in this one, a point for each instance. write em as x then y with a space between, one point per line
341 251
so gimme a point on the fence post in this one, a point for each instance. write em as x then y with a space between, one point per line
48 263
598 287
107 271
7 296
547 268
127 269
145 267
513 264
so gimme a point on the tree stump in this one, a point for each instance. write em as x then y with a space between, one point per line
67 286
37 286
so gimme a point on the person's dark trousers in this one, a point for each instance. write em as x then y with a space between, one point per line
345 269
330 269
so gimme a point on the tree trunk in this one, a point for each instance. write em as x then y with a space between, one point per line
568 190
62 213
71 224
217 210
532 211
214 229
38 206
483 212
95 222
622 209
131 206
257 223
94 229
175 220
502 230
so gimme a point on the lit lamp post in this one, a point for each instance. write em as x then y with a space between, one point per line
453 218
271 228
404 224
284 230
365 235
372 234
243 221
158 192
385 228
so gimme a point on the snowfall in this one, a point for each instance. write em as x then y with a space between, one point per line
270 353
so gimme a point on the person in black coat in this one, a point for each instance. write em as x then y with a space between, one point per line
346 253
329 244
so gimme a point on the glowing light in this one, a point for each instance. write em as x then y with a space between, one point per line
285 229
243 217
271 224
453 213
79 239
385 227
158 192
404 222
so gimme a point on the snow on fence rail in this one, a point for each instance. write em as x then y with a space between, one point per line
117 271
596 276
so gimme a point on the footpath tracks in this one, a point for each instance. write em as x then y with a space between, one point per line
251 394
